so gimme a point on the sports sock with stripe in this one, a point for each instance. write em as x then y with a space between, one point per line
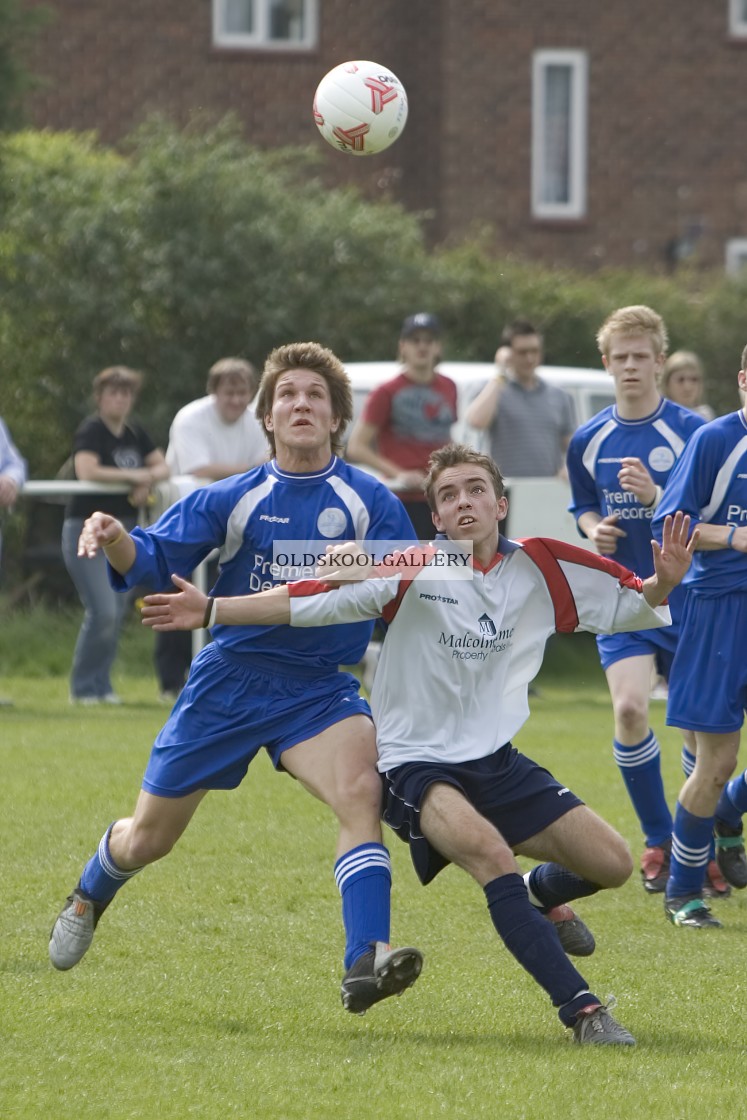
691 846
364 879
102 878
640 766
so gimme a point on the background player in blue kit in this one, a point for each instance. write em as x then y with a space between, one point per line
265 686
618 463
708 687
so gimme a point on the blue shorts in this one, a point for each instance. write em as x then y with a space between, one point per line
516 795
708 686
661 642
228 710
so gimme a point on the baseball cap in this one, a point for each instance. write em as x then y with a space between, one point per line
422 321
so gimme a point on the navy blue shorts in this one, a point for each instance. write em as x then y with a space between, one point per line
516 795
227 711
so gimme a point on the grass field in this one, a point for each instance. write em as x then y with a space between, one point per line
212 986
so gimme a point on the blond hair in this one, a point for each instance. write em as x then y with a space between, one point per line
636 319
680 359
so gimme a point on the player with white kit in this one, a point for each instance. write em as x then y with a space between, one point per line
462 644
618 463
261 686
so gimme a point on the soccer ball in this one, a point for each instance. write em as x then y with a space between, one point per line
360 108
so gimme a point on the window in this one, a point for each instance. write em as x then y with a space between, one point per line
559 134
736 256
738 17
267 24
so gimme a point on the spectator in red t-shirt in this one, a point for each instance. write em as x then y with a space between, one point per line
407 418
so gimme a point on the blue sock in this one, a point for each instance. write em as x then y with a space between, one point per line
691 845
688 765
640 766
533 940
364 879
101 878
732 804
552 885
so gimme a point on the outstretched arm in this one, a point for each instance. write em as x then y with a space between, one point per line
191 609
672 558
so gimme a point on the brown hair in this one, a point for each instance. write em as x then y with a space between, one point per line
232 369
117 377
454 455
317 359
637 319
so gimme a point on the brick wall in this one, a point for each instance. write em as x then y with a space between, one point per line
667 101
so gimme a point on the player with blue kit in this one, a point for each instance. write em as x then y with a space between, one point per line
708 691
618 465
264 686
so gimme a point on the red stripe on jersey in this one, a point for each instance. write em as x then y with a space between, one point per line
303 587
546 554
409 564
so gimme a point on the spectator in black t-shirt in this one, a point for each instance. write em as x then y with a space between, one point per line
108 447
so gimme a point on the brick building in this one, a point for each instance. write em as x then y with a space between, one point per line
572 131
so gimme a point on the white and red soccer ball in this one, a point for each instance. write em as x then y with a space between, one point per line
360 108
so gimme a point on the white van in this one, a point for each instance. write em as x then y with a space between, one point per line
537 506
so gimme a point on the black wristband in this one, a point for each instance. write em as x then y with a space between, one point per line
208 612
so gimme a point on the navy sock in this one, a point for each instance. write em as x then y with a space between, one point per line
552 885
535 944
691 846
364 879
640 766
102 878
732 804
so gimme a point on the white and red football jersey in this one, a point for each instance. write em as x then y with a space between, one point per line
463 643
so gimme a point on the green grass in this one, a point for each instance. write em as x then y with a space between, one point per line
212 986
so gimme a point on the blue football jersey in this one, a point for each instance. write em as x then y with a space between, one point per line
594 457
710 483
243 517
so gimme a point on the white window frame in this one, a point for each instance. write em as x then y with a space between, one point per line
736 256
738 19
577 63
260 39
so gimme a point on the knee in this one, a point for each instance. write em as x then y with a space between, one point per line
140 846
616 866
358 794
631 711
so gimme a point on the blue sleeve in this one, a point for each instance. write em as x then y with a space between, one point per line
179 541
11 461
584 495
389 521
688 487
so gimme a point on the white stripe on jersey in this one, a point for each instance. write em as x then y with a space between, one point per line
591 453
723 478
355 506
676 442
240 514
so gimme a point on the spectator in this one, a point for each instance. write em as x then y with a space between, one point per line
529 422
682 382
12 478
107 447
211 438
407 418
217 435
